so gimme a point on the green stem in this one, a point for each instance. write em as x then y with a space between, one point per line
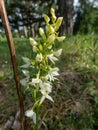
37 117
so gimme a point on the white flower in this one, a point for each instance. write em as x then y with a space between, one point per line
46 88
52 73
39 57
46 96
35 81
29 113
58 52
54 70
52 58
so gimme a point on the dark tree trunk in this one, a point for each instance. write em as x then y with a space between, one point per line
66 11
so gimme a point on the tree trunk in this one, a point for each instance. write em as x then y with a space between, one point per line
66 11
25 31
32 32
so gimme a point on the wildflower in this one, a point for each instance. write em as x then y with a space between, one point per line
29 113
52 58
35 81
39 57
45 90
52 74
58 52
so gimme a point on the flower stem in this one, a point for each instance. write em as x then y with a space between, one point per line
37 117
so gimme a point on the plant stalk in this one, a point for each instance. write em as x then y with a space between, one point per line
37 117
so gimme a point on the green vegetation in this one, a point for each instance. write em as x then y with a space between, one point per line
75 93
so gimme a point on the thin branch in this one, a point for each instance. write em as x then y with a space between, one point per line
13 59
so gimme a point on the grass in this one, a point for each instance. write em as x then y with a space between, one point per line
75 93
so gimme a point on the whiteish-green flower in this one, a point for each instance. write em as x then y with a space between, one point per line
39 57
58 52
46 88
35 81
52 58
29 113
53 72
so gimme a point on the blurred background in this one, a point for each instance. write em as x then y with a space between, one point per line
26 16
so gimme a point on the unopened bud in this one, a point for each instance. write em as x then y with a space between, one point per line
51 38
52 11
58 23
50 30
60 39
46 18
41 31
33 42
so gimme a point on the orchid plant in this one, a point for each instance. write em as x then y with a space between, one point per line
40 72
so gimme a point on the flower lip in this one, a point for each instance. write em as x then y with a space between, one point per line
29 113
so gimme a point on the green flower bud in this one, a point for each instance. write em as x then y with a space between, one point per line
58 23
46 18
41 31
50 30
52 11
33 42
51 38
60 39
54 19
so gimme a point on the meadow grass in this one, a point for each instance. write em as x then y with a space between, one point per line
80 54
